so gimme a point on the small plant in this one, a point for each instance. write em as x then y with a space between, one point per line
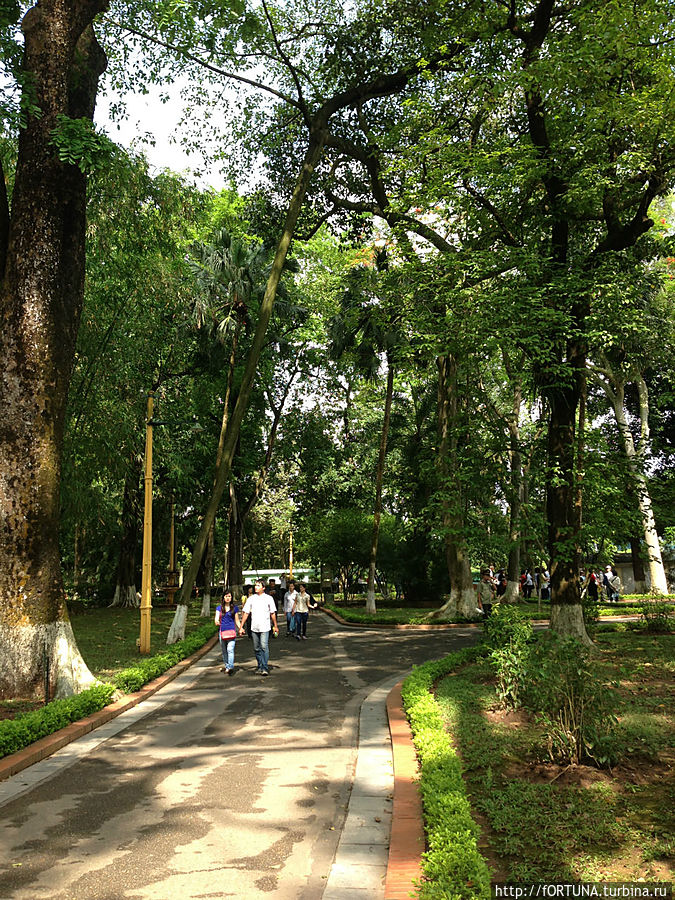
505 626
657 616
591 612
570 700
508 635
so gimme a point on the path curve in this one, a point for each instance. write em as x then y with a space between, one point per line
219 787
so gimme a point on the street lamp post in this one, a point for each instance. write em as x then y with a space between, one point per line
146 585
290 555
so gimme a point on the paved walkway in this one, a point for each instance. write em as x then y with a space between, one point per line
238 787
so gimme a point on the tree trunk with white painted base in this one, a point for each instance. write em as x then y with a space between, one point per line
126 597
177 629
125 585
614 385
43 254
512 592
567 617
462 600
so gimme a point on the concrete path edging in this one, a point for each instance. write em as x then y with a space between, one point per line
46 746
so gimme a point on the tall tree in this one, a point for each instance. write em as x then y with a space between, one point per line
40 304
555 163
628 347
366 326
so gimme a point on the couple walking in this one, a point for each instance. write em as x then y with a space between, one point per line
263 614
297 605
262 611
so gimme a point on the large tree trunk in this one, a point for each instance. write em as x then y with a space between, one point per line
613 383
635 457
40 307
638 566
208 573
377 514
125 584
561 495
462 600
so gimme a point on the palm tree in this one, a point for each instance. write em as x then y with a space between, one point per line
228 276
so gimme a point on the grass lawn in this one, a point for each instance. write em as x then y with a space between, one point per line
388 614
107 637
542 822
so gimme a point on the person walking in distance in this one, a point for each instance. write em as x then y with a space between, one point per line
289 604
301 607
273 592
261 610
486 592
227 618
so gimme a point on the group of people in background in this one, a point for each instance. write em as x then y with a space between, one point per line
258 617
492 585
535 582
593 582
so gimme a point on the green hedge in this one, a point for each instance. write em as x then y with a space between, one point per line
132 679
15 734
453 867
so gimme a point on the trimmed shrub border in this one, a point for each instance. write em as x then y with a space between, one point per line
75 716
453 868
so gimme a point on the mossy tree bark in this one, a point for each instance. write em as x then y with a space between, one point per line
40 305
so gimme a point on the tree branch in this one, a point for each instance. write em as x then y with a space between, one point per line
287 62
205 65
507 236
620 237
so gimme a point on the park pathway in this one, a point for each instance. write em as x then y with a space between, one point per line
217 787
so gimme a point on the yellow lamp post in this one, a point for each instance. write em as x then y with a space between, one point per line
146 585
290 555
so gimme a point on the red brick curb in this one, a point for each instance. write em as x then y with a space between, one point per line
407 841
43 748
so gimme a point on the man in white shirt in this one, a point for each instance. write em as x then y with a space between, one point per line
260 607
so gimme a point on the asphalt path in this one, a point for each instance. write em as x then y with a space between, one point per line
225 787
